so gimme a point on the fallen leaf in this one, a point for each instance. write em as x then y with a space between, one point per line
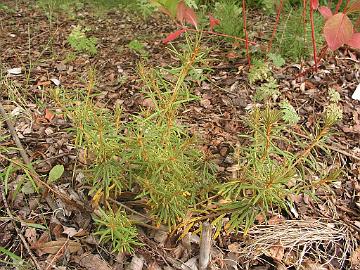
355 258
137 263
14 71
277 251
49 115
30 235
234 247
53 247
55 81
93 262
72 232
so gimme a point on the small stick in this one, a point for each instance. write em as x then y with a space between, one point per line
205 246
14 135
23 240
27 161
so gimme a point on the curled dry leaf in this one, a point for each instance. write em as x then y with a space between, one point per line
14 71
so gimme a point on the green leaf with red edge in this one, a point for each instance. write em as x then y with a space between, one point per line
213 22
184 14
338 30
314 4
354 7
325 12
174 35
354 42
169 7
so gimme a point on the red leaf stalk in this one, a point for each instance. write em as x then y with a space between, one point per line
246 33
346 6
304 17
313 35
338 6
276 25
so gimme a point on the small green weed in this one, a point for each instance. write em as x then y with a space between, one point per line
6 8
53 7
80 42
266 5
139 48
116 228
229 13
259 71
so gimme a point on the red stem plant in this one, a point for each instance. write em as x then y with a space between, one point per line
338 29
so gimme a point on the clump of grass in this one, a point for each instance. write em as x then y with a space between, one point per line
139 48
80 42
293 38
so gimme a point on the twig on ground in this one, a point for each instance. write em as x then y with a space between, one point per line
27 162
21 236
14 135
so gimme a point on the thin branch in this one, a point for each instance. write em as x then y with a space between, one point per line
28 167
21 236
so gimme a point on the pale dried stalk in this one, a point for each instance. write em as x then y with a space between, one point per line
325 240
205 246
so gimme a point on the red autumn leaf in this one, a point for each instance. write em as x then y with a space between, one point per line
174 35
213 22
186 14
354 7
338 30
325 12
354 41
314 4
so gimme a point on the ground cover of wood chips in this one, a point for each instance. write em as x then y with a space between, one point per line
317 234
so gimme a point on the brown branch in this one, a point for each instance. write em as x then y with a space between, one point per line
28 167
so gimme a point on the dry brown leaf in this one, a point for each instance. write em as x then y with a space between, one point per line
93 262
53 247
311 265
277 251
355 258
72 232
30 235
153 266
137 263
234 247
